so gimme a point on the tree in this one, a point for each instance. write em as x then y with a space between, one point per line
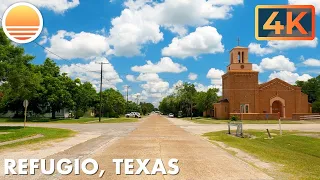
56 94
146 108
113 103
187 96
316 107
19 78
312 89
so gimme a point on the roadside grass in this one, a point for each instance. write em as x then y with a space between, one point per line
214 121
70 121
15 133
299 154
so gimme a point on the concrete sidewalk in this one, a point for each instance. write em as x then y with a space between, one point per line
158 138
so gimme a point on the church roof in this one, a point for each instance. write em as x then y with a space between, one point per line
263 85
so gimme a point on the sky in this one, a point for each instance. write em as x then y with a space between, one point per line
155 46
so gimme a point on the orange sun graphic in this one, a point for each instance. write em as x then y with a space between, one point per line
22 22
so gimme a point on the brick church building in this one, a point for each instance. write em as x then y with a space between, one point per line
244 97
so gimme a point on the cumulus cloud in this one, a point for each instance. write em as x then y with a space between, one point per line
58 6
216 79
164 65
205 40
192 76
315 3
256 67
131 78
70 45
312 62
289 77
277 63
258 50
274 46
44 37
91 73
141 20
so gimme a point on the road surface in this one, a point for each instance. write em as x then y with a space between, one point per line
153 138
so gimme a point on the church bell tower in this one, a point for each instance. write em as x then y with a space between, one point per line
239 59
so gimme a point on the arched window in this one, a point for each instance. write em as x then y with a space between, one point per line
239 57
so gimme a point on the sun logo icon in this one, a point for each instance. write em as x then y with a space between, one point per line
22 23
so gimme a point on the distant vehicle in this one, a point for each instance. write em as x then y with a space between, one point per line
133 115
171 115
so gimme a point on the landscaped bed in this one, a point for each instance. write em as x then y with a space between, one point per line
13 134
295 153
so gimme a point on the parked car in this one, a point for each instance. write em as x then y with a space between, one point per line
171 115
133 115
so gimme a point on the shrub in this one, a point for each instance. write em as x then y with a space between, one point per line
234 118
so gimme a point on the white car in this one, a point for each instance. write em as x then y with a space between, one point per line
133 115
171 115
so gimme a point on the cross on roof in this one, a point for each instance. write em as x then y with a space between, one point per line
238 41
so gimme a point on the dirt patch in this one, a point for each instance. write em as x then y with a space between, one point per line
22 139
1 133
247 157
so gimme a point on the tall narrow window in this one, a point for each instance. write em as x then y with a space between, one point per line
242 57
239 57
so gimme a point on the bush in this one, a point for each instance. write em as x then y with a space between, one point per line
234 118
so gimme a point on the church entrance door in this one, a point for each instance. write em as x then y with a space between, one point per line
277 107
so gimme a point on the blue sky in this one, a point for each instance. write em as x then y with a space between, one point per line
176 37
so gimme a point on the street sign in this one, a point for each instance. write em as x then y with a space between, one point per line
25 103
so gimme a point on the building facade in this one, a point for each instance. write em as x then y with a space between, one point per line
243 95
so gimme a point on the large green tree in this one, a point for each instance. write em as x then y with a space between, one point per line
312 89
146 108
113 103
56 94
19 78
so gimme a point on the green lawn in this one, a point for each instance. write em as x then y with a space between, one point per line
70 121
14 133
299 155
214 121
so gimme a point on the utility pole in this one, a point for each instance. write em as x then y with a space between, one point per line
127 89
100 112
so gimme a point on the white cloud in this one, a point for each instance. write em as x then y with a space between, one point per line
192 76
164 65
256 67
70 45
289 77
140 21
258 50
44 37
58 6
273 46
315 3
91 73
205 40
278 63
284 45
131 78
215 73
312 62
130 31
149 77
216 79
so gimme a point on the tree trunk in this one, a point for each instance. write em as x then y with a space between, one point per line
191 110
53 115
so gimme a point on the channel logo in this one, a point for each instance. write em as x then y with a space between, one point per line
285 22
22 23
